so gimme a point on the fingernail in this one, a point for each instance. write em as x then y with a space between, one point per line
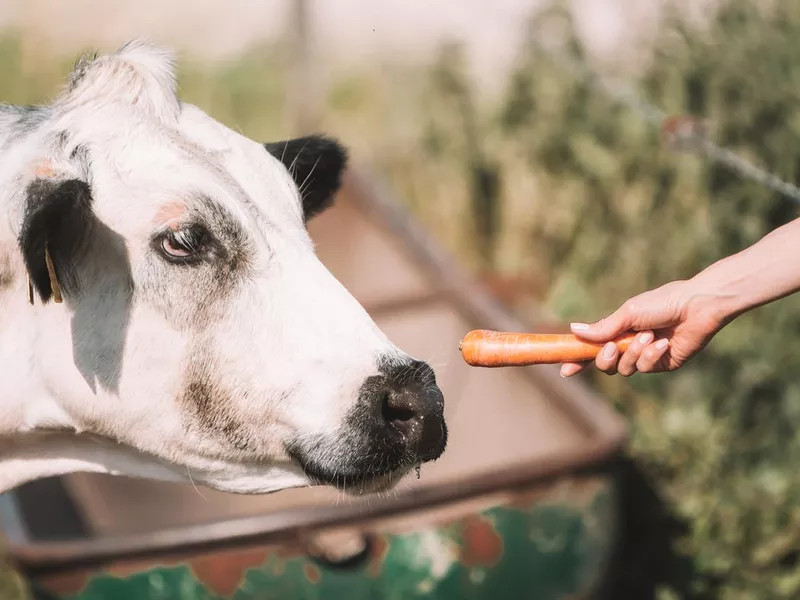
563 372
609 350
579 326
645 337
662 344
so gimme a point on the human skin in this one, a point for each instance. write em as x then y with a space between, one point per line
677 320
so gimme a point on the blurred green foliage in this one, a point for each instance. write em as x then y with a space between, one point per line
553 181
600 209
12 585
593 206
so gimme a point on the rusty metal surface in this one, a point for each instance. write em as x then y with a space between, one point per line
537 543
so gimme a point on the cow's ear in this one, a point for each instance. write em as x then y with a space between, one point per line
316 163
57 220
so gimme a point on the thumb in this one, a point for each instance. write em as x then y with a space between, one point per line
605 329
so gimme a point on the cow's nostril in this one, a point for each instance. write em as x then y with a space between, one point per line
395 413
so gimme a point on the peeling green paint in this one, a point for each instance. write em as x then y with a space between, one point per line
550 551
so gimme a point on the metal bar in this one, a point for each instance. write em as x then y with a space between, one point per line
396 305
12 520
55 557
301 99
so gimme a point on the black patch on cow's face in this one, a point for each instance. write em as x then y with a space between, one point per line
5 278
193 292
209 236
349 460
6 272
316 163
93 268
58 214
210 405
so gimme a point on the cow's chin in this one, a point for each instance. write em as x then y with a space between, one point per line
260 478
351 485
359 485
354 480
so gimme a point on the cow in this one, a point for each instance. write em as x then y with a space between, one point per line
163 313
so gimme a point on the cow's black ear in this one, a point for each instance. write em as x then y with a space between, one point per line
316 163
58 215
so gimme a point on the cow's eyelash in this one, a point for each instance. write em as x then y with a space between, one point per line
191 239
184 245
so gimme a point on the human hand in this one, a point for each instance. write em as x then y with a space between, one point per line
675 322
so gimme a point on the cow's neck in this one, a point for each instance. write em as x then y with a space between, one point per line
27 402
36 455
38 438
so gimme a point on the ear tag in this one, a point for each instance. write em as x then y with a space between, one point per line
30 290
57 298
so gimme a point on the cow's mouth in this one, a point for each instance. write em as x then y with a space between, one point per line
353 480
358 483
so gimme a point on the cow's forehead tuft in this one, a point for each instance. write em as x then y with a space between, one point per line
139 77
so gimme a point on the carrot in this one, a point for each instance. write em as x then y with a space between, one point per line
482 348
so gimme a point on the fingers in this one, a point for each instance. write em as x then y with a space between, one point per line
628 361
607 359
570 369
650 359
643 355
604 329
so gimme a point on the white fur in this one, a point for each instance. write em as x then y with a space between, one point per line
293 329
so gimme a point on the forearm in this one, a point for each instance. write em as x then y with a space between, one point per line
764 272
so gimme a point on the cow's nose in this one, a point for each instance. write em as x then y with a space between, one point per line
412 409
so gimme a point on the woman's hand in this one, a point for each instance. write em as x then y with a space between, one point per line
675 322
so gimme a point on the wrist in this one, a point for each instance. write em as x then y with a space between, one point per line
757 275
721 292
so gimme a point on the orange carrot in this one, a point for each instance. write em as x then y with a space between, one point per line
482 348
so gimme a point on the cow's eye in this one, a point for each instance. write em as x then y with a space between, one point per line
184 244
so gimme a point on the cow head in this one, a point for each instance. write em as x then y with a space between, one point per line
198 326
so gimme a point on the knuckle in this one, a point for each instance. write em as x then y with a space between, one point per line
630 357
605 366
603 324
630 307
649 355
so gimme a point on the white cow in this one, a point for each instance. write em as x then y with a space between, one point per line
199 337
